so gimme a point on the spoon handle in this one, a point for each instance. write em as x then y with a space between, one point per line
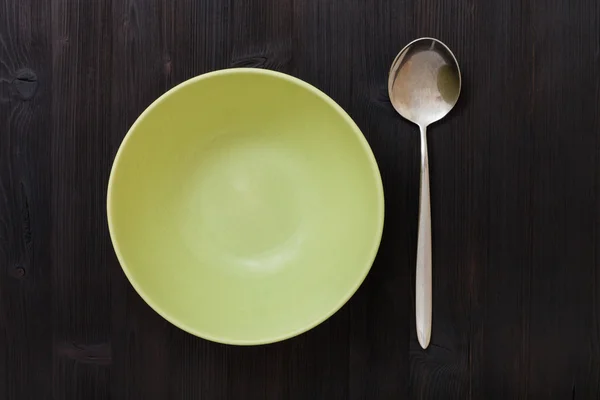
423 275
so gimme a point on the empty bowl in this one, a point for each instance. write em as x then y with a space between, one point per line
245 206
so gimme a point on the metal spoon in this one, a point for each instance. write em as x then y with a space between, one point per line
424 85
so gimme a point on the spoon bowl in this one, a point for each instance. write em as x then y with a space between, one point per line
424 81
424 85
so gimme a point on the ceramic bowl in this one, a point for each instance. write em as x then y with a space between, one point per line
245 206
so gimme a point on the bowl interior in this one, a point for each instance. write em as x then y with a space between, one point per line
245 206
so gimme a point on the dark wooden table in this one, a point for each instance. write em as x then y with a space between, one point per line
515 180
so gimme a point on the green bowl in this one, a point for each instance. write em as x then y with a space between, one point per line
245 206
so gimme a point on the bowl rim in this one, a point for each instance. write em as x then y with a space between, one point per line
374 245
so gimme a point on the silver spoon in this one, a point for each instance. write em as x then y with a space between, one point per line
424 85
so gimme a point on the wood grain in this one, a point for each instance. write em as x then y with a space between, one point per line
515 184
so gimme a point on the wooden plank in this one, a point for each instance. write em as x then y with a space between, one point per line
566 48
500 288
80 151
25 215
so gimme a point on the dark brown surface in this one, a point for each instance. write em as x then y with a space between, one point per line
515 180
